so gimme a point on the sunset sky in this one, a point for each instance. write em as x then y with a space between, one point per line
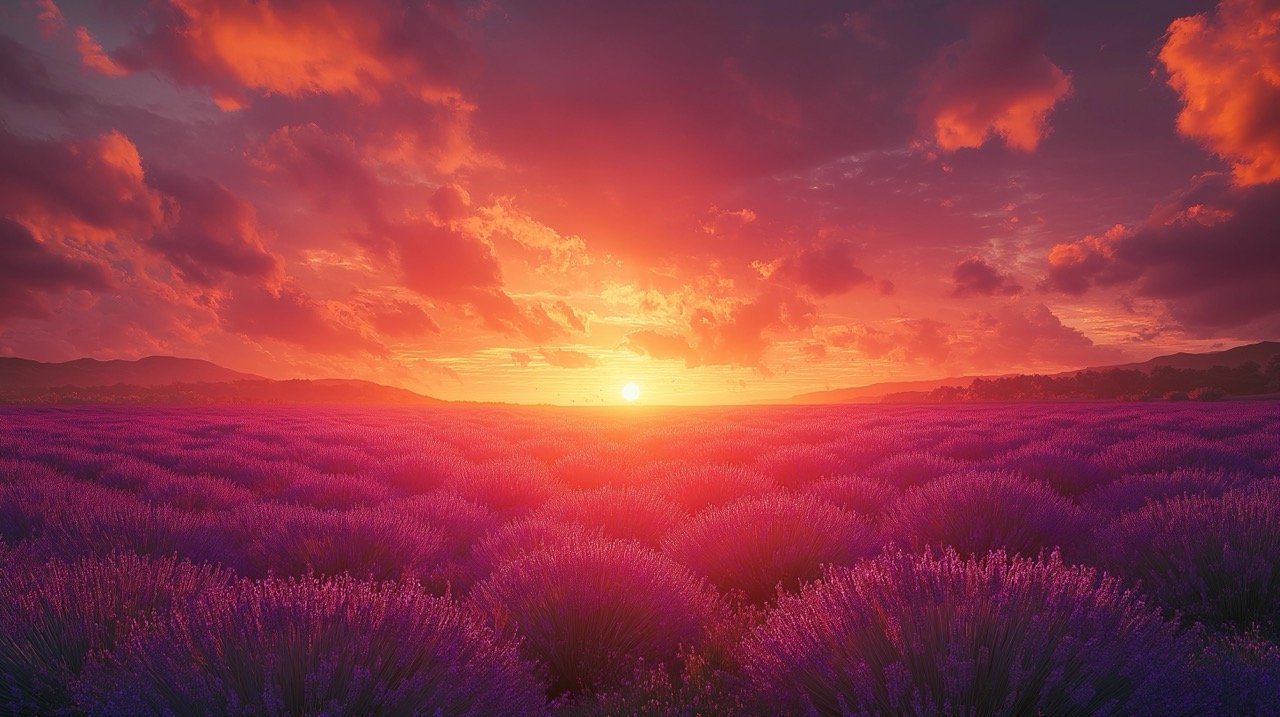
717 201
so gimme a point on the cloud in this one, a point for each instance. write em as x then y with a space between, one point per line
1225 66
29 269
49 18
25 79
521 358
449 202
826 269
215 232
1075 266
92 56
93 188
439 254
914 340
1013 336
997 82
662 345
353 48
567 358
867 340
328 172
975 277
396 317
1211 255
521 235
738 334
726 222
572 319
1030 336
443 263
499 312
287 314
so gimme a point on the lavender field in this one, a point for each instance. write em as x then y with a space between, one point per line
962 560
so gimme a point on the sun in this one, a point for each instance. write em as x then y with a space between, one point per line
630 392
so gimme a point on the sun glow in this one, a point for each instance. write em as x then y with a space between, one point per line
630 392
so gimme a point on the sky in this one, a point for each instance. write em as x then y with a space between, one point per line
721 202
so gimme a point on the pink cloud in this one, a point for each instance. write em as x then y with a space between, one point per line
975 277
30 269
49 18
92 57
215 233
826 269
443 263
92 187
288 314
1030 336
396 317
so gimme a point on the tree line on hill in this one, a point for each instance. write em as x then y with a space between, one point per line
1161 383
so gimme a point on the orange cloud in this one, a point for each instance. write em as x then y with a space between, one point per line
288 314
93 57
1225 67
397 318
998 82
345 47
567 358
94 188
737 334
1210 256
1073 265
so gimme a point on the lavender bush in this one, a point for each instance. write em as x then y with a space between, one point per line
629 513
978 512
54 619
590 611
755 544
925 635
1215 560
695 486
309 647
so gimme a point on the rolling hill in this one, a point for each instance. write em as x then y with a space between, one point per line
1260 353
25 374
172 380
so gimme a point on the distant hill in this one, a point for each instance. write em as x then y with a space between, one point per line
170 380
909 391
1259 353
25 374
873 393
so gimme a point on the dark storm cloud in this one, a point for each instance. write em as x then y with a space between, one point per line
29 270
975 277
